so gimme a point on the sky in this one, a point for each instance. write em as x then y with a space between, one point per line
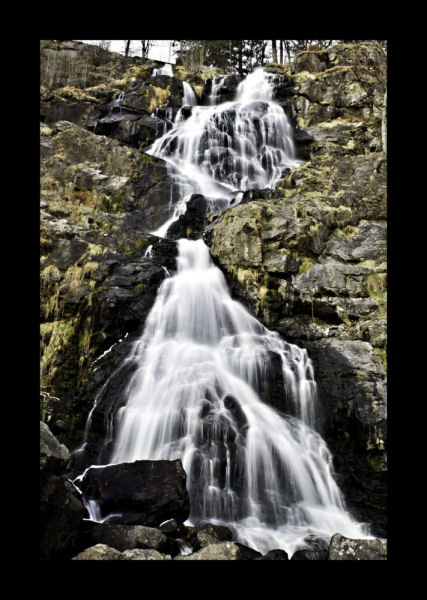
159 51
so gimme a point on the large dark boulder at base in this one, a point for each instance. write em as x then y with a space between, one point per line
145 492
310 555
274 555
342 548
61 510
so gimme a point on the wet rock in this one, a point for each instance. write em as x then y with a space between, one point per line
145 492
342 548
274 555
192 223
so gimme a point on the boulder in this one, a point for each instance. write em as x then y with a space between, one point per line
274 555
61 509
204 535
99 552
54 456
144 555
220 551
145 492
342 548
128 537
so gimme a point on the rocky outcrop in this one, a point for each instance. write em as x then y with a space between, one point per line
144 492
99 201
309 258
61 509
342 548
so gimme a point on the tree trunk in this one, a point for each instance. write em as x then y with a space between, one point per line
127 48
241 57
274 48
281 52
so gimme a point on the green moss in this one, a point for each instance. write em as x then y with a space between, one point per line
140 287
112 204
377 289
142 74
146 157
306 264
383 356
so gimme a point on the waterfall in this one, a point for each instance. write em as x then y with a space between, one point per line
189 97
167 69
220 150
203 361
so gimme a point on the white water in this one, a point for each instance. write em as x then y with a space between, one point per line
165 70
203 359
219 151
189 97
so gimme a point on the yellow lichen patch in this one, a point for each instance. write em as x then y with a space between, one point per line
44 130
306 264
377 289
198 90
74 93
53 337
50 274
158 98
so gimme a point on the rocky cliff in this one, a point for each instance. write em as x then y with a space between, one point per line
308 258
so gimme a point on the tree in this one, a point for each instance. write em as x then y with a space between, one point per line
127 42
274 50
146 46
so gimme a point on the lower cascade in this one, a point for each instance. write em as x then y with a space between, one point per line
205 365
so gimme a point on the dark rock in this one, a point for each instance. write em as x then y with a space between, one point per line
247 553
192 222
310 555
61 510
145 492
274 555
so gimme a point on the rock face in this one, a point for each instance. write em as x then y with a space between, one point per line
145 492
309 258
61 510
99 200
342 548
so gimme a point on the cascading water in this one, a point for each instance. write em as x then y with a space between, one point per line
189 97
203 359
167 69
219 151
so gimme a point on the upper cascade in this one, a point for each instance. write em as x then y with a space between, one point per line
221 150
